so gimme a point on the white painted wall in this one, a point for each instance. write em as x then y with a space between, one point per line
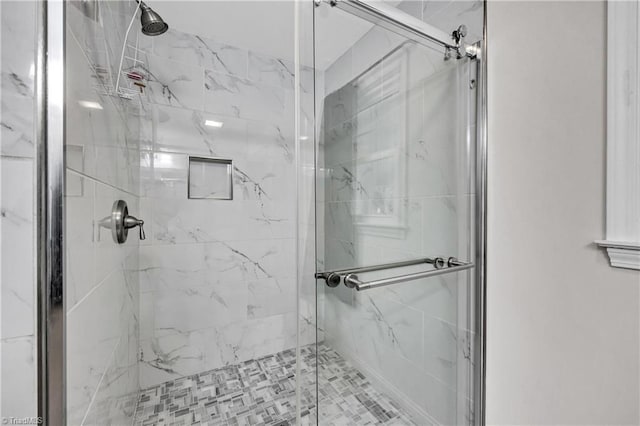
563 326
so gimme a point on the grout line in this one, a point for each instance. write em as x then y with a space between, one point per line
95 180
104 373
93 290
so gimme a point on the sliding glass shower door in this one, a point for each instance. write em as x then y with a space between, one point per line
396 188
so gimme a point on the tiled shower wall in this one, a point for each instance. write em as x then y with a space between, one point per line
102 153
17 171
397 186
217 276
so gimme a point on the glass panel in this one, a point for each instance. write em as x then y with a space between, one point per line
101 275
395 182
198 323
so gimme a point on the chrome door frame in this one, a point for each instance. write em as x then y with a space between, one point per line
50 128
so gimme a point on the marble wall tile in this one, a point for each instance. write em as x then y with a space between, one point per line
250 260
243 98
340 254
441 227
270 297
195 221
271 142
197 50
115 402
17 339
173 83
340 217
271 71
172 354
80 267
389 323
340 106
16 128
237 342
340 142
163 175
183 307
184 131
430 158
263 181
18 47
233 260
18 296
440 350
18 371
215 263
93 332
436 296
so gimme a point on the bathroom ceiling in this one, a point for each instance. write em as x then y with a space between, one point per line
264 26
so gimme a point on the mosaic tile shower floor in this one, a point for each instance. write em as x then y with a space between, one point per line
262 392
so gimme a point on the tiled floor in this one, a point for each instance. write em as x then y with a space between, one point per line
262 392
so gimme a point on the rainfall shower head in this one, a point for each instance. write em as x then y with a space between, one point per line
152 23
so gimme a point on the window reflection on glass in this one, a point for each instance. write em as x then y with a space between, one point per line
380 144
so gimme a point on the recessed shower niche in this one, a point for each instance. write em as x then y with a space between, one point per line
210 178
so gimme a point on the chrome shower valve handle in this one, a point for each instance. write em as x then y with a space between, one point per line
132 222
119 222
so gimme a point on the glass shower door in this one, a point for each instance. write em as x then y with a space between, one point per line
395 229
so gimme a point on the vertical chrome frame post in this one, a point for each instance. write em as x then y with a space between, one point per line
50 126
481 234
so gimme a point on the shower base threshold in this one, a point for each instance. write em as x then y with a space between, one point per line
262 392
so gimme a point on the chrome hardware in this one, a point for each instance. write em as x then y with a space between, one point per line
442 266
394 19
459 34
438 263
352 280
333 280
452 261
458 37
120 222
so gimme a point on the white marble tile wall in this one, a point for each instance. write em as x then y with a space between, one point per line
17 150
218 279
103 156
397 185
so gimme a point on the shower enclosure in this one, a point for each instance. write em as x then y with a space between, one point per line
272 212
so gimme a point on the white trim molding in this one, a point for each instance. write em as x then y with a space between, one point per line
623 135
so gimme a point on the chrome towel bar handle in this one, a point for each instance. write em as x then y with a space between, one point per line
351 280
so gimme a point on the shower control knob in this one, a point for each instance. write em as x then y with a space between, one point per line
119 222
132 222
